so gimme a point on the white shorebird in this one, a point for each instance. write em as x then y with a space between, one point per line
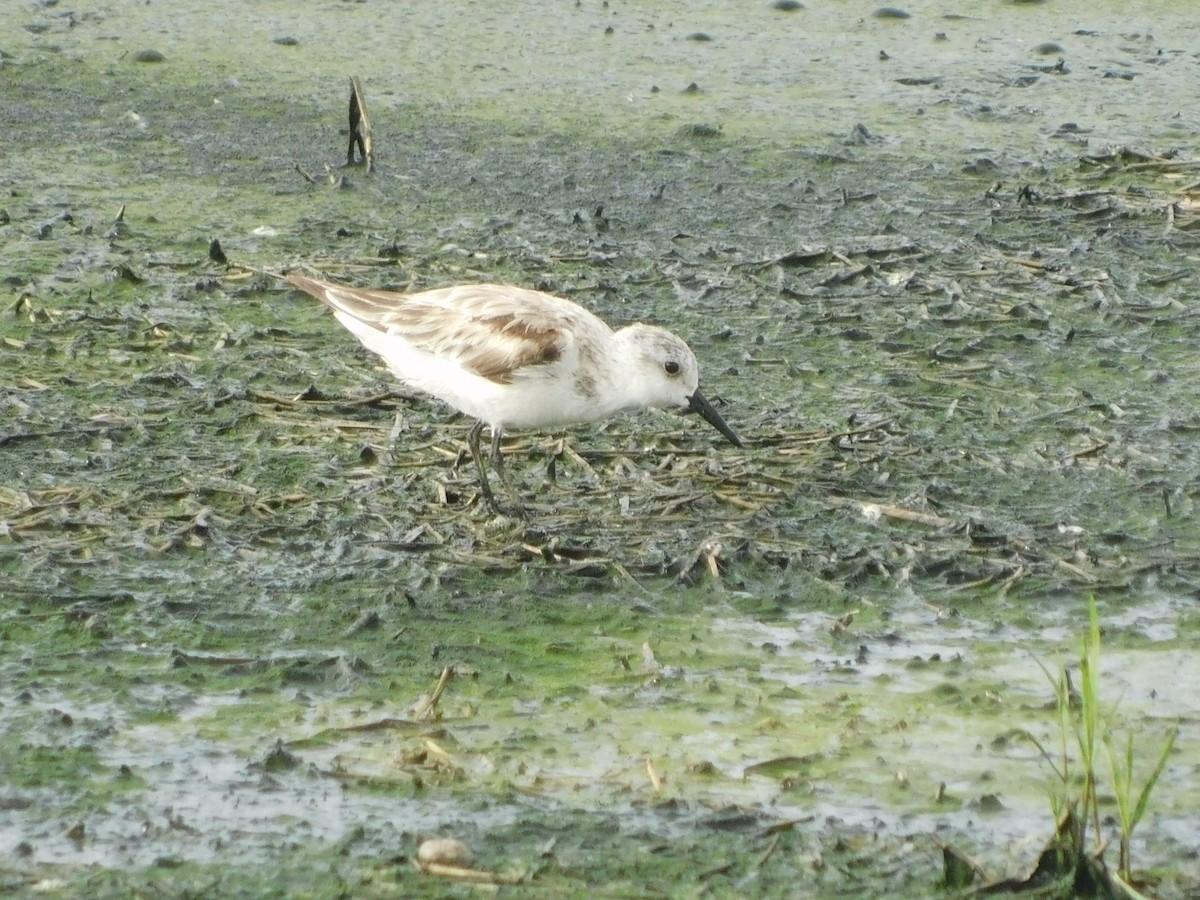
515 358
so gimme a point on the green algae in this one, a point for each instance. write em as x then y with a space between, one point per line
238 589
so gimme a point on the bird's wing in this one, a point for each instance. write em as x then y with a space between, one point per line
492 330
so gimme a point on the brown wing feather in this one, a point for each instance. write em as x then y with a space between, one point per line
536 345
463 322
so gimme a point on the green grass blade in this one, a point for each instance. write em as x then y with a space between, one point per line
1122 777
1144 797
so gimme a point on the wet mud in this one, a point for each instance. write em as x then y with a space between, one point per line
257 633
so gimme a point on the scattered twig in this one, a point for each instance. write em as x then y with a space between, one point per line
476 876
872 510
428 707
652 773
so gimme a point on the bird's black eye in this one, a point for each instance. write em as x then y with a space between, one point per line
671 367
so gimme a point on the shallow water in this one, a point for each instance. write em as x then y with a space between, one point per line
168 509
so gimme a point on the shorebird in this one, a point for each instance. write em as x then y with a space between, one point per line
515 358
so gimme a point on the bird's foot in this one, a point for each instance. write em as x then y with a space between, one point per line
487 500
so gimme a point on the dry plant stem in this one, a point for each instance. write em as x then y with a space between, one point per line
655 778
475 876
361 132
428 707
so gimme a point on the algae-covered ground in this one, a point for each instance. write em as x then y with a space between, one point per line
259 637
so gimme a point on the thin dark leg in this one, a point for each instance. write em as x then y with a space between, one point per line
477 455
498 460
498 466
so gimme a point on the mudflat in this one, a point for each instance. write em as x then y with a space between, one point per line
257 633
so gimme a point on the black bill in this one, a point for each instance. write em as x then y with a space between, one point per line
698 404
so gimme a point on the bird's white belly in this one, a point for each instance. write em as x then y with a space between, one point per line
538 397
